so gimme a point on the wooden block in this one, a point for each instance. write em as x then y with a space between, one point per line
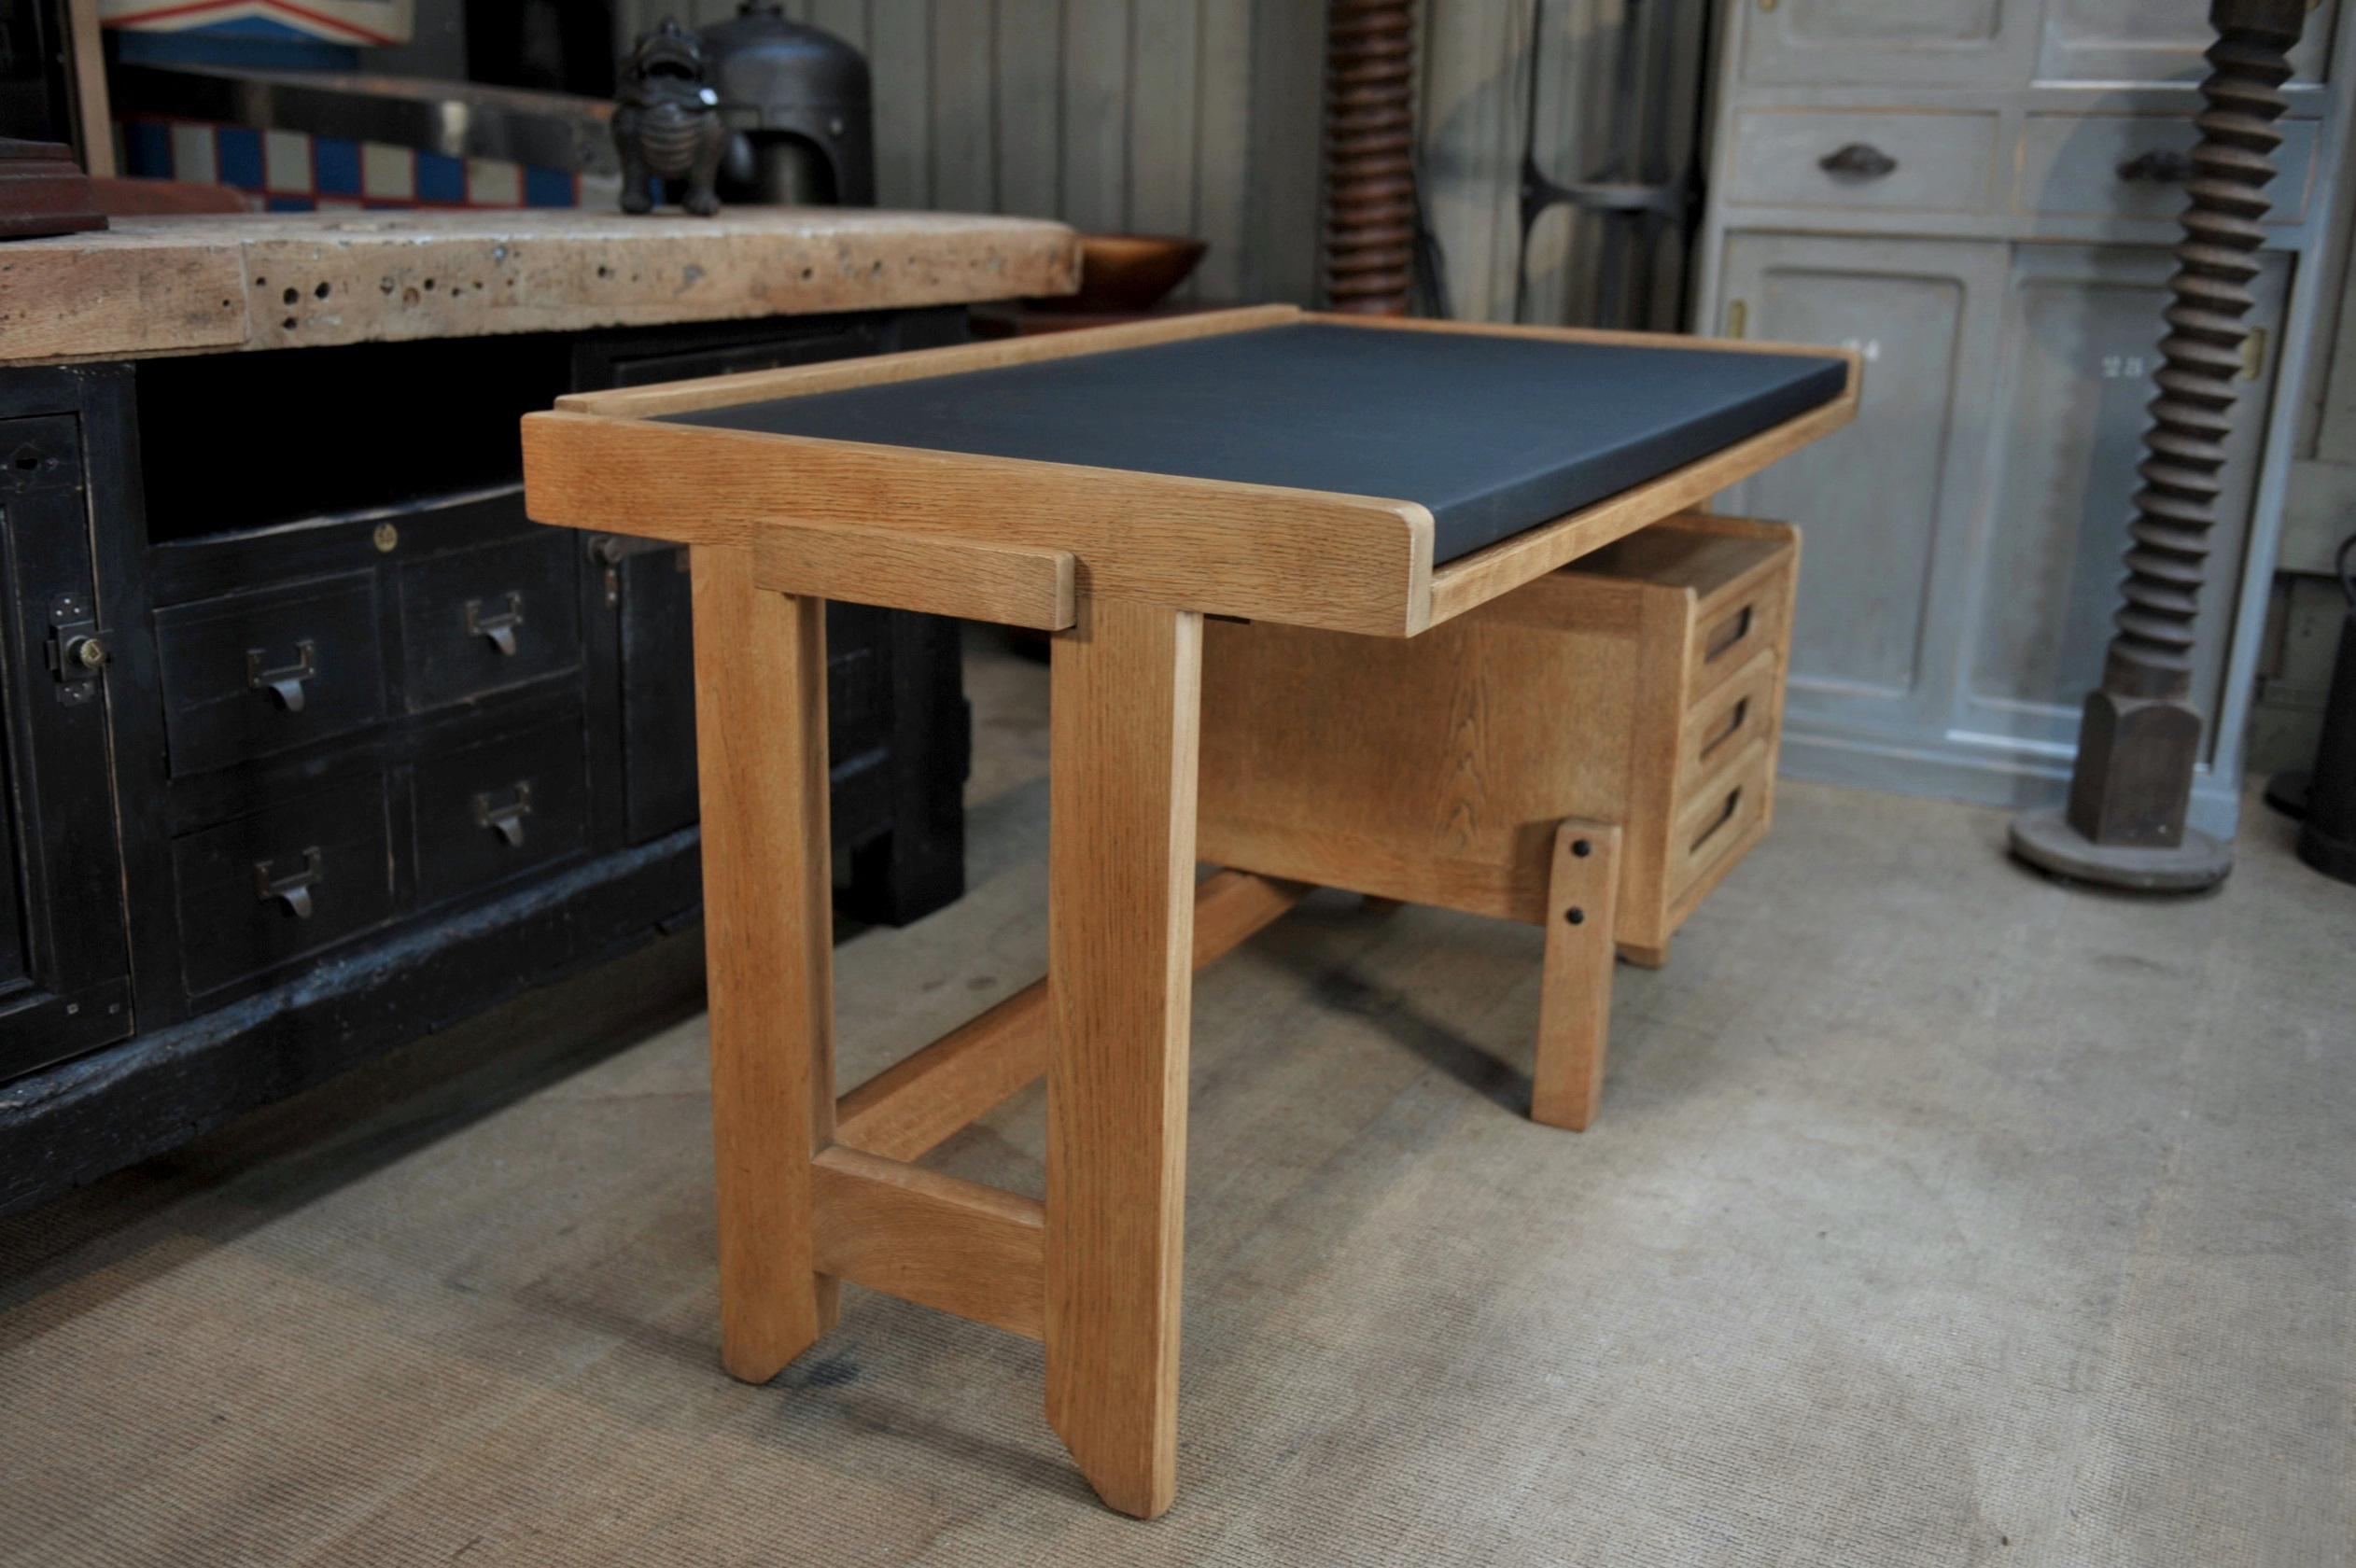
1120 879
1256 550
1575 1005
935 1240
761 726
974 580
916 1104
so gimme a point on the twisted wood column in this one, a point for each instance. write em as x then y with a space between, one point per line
1370 260
2140 739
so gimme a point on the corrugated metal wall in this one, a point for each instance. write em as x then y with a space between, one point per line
1200 116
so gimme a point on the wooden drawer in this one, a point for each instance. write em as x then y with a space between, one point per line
484 619
1723 723
2071 167
1718 818
483 813
1733 627
277 886
251 674
1913 163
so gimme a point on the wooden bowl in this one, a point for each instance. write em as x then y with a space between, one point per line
1127 272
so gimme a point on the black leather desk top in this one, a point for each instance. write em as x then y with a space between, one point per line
1493 434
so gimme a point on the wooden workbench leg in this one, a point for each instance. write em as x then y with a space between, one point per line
760 746
1574 1006
1120 918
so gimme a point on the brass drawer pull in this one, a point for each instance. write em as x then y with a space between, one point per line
1859 160
1728 633
285 682
499 626
292 889
506 819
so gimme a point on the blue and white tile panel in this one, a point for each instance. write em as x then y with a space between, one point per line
293 171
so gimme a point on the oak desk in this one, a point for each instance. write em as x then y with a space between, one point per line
1111 487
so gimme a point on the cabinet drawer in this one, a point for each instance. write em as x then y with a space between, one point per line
497 615
1728 720
488 811
1730 628
1721 816
2071 167
269 888
1915 162
255 674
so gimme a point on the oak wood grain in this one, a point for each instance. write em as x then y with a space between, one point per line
1575 992
929 1238
937 574
918 1102
1307 556
1123 744
761 726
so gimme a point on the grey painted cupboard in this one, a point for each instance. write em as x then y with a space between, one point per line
1978 195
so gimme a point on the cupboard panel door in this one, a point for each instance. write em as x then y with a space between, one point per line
64 955
1926 43
2081 336
1882 504
2153 41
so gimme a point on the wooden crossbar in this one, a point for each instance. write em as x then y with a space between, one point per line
919 1103
927 1238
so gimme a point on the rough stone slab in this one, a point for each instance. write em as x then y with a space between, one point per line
158 286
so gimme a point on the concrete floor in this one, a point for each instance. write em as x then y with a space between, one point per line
1937 1215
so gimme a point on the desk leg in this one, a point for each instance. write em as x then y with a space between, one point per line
1120 932
760 746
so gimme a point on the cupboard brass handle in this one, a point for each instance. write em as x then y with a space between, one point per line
2163 165
1860 159
292 889
499 626
285 682
506 819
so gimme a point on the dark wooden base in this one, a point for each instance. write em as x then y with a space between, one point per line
44 192
74 1123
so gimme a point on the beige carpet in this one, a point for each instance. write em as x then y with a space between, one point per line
1936 1215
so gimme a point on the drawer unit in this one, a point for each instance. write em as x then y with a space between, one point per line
1641 686
281 884
493 616
483 813
2135 166
1911 163
251 674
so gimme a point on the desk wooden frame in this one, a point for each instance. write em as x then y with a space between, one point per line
1121 567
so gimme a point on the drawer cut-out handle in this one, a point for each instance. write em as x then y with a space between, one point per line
506 818
1734 629
1728 728
285 683
499 626
2161 166
1860 160
292 889
1725 815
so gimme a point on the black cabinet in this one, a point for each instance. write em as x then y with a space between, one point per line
64 953
313 740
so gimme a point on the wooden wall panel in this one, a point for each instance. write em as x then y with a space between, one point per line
1202 117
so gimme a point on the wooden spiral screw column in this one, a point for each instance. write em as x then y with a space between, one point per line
2140 738
1371 155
